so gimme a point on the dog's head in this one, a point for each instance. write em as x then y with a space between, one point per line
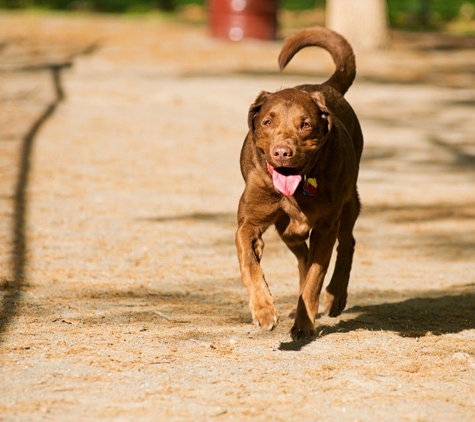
288 127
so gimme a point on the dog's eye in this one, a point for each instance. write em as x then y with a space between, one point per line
267 122
306 126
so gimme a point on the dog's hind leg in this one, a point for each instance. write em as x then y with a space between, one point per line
336 294
320 251
297 245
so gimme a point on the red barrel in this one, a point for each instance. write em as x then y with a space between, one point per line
239 19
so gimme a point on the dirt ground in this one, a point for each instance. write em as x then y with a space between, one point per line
119 145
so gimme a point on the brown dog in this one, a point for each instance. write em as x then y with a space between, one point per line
300 163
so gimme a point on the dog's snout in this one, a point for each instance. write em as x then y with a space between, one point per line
282 152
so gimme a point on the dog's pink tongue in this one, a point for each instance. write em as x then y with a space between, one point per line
286 184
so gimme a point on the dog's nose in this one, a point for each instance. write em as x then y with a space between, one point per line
282 153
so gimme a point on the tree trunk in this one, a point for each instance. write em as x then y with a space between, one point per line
363 22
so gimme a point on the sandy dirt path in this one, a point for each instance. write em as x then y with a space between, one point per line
122 301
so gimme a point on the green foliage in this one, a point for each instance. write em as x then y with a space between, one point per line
111 6
302 4
402 13
121 6
422 13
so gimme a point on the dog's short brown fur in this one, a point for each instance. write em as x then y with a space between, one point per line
312 133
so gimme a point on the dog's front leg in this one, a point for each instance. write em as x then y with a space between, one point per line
322 241
249 246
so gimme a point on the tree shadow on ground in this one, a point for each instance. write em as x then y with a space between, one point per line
432 313
205 217
446 245
462 159
13 288
179 307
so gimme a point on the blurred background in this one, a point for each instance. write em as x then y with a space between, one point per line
451 16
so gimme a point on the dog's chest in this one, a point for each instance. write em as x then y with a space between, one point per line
299 223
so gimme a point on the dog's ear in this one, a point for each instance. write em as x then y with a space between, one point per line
255 108
325 113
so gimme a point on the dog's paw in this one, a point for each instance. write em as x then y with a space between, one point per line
303 329
307 334
266 318
333 305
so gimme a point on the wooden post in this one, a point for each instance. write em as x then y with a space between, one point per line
364 23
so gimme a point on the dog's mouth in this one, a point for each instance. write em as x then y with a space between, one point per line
285 179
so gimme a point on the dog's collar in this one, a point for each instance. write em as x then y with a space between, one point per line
309 186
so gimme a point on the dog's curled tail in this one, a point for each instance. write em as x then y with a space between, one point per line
335 44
